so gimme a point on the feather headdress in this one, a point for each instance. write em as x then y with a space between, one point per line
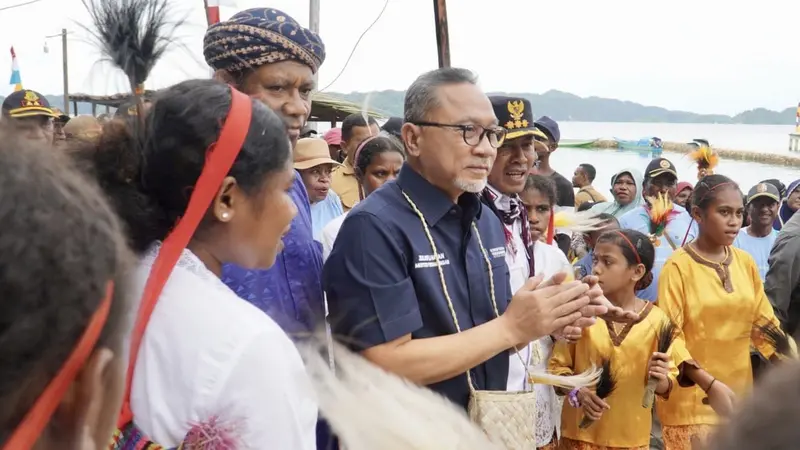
369 408
661 211
605 387
705 158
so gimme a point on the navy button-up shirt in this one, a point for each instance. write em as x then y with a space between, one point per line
383 283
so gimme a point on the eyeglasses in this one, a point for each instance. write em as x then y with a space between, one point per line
472 134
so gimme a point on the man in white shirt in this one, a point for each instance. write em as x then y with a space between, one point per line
506 181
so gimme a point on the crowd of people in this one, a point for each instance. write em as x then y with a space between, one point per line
170 274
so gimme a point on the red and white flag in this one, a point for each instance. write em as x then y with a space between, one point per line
212 10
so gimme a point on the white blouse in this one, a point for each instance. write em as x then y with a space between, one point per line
209 354
548 260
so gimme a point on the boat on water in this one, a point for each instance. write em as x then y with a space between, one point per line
577 143
647 146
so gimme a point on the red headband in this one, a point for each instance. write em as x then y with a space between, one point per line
28 431
630 244
219 159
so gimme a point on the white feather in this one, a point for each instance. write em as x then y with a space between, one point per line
369 408
588 378
578 222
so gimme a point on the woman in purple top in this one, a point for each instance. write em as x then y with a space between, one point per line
269 56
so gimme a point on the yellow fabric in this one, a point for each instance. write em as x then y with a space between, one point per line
626 424
717 327
588 194
345 184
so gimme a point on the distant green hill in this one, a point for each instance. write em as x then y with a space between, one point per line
563 106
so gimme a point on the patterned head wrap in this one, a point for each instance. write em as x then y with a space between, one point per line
259 36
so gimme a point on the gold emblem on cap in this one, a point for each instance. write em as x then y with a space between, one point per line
31 99
761 188
664 164
516 108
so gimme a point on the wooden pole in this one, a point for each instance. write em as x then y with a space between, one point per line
65 62
442 36
313 24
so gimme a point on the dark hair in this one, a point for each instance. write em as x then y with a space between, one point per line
606 217
706 190
382 143
636 248
61 244
422 95
149 175
355 120
542 184
590 171
585 206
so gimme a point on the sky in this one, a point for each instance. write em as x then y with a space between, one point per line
709 56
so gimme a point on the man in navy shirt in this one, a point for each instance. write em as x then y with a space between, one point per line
421 259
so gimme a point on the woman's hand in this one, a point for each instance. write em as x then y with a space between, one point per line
721 398
658 368
593 406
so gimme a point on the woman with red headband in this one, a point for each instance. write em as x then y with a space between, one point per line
713 293
62 304
623 261
199 353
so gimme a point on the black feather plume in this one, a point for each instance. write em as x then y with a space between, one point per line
607 382
665 336
132 34
775 337
605 387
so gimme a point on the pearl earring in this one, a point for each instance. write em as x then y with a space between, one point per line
225 216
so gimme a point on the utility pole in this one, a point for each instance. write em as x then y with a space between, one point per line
442 35
65 62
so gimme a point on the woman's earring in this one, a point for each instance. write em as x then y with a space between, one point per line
226 215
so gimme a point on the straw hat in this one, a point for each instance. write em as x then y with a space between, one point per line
312 152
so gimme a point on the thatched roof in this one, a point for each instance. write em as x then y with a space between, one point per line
324 108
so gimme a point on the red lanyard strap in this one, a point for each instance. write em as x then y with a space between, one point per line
219 161
28 431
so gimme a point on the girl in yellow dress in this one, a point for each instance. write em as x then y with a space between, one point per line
714 295
622 260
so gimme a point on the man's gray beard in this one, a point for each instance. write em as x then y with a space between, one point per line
474 187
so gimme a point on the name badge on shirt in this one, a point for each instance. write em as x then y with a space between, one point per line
427 261
498 252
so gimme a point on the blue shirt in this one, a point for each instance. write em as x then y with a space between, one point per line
585 264
638 219
757 247
383 283
325 211
290 291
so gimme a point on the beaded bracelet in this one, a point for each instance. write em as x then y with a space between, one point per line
572 397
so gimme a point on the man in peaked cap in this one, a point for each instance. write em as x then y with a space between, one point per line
660 178
565 196
31 114
757 238
515 158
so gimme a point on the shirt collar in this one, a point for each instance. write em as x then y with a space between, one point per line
431 201
501 201
347 168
